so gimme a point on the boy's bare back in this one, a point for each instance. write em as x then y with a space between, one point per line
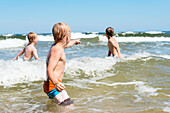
30 51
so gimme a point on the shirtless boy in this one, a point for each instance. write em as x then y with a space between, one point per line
30 49
112 43
56 60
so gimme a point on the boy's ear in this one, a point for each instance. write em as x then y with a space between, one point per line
67 37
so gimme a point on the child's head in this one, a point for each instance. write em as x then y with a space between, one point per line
60 31
109 32
32 37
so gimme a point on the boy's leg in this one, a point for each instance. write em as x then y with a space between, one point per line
63 99
59 98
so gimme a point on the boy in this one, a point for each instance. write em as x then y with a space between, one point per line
112 43
30 49
56 60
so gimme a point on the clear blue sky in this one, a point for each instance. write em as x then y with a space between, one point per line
23 16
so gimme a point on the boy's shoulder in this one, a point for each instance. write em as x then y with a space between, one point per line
111 39
30 47
56 50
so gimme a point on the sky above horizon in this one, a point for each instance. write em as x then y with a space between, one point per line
21 16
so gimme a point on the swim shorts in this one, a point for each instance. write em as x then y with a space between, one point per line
61 98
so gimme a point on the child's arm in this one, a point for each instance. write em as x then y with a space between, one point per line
53 61
19 54
116 47
109 53
35 54
118 50
72 42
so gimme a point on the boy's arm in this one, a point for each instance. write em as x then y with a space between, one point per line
35 54
53 61
19 54
117 48
109 53
72 42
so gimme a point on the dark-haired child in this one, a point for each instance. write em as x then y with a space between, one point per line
112 43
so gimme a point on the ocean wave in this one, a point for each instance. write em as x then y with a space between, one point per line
13 72
104 38
121 37
154 32
77 35
164 56
7 35
136 39
12 43
94 67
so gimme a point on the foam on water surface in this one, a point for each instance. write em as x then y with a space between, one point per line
12 43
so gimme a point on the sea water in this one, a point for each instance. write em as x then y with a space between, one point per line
138 82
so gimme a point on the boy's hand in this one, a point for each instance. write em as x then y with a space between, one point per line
77 42
119 56
15 58
60 86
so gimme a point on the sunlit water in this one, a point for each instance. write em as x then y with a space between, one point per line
138 82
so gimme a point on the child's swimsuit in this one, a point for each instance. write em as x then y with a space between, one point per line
62 97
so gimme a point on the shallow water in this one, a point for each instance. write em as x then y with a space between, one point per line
138 82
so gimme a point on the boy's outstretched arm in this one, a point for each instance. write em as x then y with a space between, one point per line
53 61
19 54
72 42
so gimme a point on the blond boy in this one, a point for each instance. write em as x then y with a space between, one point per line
56 60
112 43
30 49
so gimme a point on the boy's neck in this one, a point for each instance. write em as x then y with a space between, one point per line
32 43
60 44
109 37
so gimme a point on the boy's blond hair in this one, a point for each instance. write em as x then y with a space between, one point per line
31 36
60 30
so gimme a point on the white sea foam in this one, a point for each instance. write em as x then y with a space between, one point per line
119 83
89 66
146 89
136 56
154 32
166 109
136 39
165 56
45 38
128 32
19 71
74 35
12 43
81 35
8 35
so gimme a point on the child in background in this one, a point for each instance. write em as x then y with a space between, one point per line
30 49
56 60
112 43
